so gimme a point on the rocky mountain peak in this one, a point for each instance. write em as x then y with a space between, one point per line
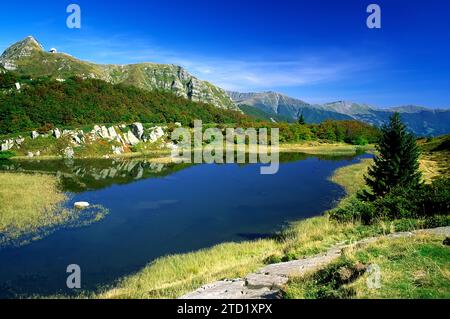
21 49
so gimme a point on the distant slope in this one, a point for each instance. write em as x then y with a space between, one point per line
28 57
420 120
276 104
258 114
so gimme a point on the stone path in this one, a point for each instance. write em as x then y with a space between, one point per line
267 282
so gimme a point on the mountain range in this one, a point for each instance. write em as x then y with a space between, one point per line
29 58
420 120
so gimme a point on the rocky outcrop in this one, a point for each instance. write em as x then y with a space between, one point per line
121 138
8 144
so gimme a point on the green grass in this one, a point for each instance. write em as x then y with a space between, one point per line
410 268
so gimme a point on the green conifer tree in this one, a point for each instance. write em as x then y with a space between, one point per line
301 120
397 162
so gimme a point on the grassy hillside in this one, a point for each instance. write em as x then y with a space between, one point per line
435 160
78 102
28 57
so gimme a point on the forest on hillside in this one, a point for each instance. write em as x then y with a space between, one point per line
44 103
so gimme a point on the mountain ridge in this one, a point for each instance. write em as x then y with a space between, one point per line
420 120
28 57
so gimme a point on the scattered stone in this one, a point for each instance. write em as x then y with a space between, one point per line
69 153
446 241
177 124
57 133
34 135
7 145
81 205
19 140
117 150
30 154
155 134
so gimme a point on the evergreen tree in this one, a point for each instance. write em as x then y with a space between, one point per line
397 163
301 120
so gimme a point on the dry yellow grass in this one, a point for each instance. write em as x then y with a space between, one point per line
352 177
28 202
323 148
430 169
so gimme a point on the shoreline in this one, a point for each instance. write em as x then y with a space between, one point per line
164 156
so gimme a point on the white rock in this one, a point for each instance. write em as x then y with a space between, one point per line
138 129
117 150
81 205
177 124
69 153
112 132
57 133
104 132
156 133
34 135
30 154
7 145
132 140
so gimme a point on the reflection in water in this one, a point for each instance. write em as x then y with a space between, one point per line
81 175
71 218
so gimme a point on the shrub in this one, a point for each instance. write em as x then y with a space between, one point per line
7 154
354 210
429 202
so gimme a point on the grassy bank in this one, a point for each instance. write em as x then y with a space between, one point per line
324 148
416 267
29 202
32 207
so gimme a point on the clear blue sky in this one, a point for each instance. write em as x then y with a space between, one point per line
318 51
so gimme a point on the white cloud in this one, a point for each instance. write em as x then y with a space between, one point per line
245 74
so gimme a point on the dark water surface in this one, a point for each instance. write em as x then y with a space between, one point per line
155 210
